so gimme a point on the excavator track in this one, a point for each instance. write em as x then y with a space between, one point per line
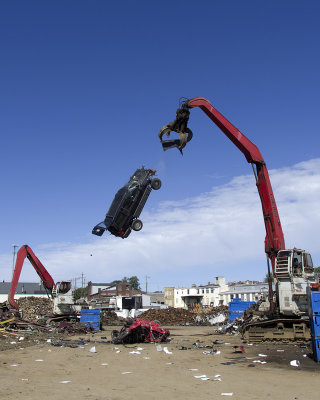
277 330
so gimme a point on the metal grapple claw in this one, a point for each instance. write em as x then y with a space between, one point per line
184 138
179 125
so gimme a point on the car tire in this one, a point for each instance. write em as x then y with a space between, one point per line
136 225
156 184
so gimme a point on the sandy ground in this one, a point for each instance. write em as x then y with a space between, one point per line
44 371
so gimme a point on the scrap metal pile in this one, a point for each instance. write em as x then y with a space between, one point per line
180 316
32 308
140 331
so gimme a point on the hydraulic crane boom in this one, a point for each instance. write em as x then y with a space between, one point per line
26 252
274 240
283 315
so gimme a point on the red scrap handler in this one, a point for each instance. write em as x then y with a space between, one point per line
284 315
60 292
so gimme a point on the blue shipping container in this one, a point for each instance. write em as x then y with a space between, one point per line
90 317
238 307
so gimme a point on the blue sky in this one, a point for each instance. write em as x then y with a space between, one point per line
85 88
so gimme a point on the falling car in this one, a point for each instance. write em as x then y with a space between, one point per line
128 203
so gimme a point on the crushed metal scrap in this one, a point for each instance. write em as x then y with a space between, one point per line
180 316
140 331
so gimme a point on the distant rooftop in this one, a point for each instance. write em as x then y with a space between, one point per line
23 288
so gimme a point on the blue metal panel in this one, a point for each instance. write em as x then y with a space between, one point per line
315 326
316 349
90 317
315 303
238 307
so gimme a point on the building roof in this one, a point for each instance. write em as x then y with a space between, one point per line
23 288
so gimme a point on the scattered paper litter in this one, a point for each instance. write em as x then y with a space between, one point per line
115 348
64 381
159 347
104 364
93 349
13 342
193 369
227 343
140 348
146 358
256 361
165 349
262 355
217 376
21 348
134 352
49 341
226 394
118 351
169 363
14 365
21 338
280 350
205 379
249 344
126 372
200 376
304 355
295 363
217 379
39 360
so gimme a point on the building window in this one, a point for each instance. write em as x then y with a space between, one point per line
202 291
212 290
207 290
198 291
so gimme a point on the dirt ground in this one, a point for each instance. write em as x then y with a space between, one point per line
114 373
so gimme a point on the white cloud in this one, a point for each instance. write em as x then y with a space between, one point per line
218 233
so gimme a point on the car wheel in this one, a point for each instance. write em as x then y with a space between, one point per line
137 225
156 184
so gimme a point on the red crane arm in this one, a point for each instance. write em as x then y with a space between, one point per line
274 240
44 275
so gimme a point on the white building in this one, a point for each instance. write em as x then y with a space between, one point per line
246 291
204 295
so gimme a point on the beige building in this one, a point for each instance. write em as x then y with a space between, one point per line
169 296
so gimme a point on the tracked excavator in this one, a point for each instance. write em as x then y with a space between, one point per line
60 292
284 314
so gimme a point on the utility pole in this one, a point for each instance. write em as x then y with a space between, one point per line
14 257
83 280
147 283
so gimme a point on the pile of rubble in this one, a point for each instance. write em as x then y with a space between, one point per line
110 318
170 316
33 308
214 316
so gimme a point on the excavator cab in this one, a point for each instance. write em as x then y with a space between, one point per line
294 263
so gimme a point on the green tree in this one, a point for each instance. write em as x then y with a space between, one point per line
317 270
266 278
80 292
134 281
